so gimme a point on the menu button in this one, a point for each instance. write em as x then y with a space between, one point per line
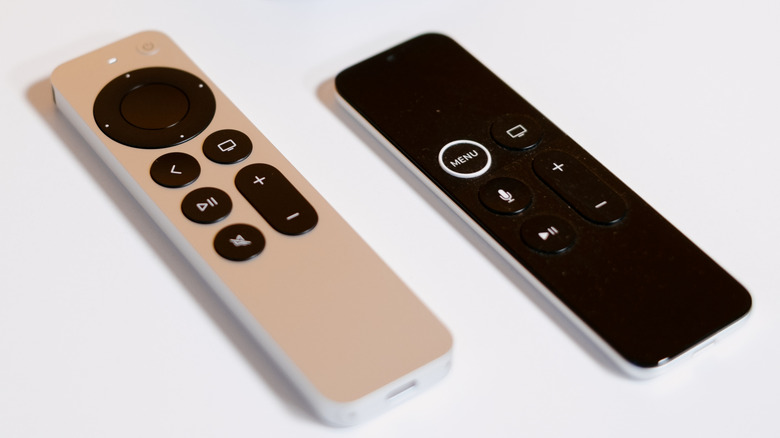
464 159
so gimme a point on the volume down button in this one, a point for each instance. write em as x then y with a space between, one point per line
276 199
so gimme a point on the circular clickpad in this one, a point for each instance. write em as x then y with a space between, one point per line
154 107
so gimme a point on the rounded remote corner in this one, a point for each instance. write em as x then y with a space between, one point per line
348 413
343 78
430 39
147 42
644 372
147 36
434 35
640 371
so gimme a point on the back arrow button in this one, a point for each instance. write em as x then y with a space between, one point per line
175 169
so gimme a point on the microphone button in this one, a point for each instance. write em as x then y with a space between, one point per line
505 195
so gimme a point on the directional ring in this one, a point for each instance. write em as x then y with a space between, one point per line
154 107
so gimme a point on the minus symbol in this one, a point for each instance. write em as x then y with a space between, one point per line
293 216
603 203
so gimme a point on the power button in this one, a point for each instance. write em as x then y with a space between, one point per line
148 48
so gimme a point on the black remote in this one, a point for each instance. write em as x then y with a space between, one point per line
623 274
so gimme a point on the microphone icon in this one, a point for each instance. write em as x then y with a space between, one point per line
505 196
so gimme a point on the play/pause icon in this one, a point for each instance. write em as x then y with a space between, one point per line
210 202
551 231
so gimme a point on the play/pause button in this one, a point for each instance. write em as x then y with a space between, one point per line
548 234
206 205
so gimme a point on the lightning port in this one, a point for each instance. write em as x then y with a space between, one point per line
401 391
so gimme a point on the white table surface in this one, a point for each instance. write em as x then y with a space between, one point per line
106 332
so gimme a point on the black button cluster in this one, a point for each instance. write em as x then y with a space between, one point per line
565 175
161 107
266 189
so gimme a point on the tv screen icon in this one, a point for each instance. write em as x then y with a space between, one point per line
227 145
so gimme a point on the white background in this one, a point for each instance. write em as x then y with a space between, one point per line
106 332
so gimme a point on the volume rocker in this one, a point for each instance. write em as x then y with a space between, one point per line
276 199
579 187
